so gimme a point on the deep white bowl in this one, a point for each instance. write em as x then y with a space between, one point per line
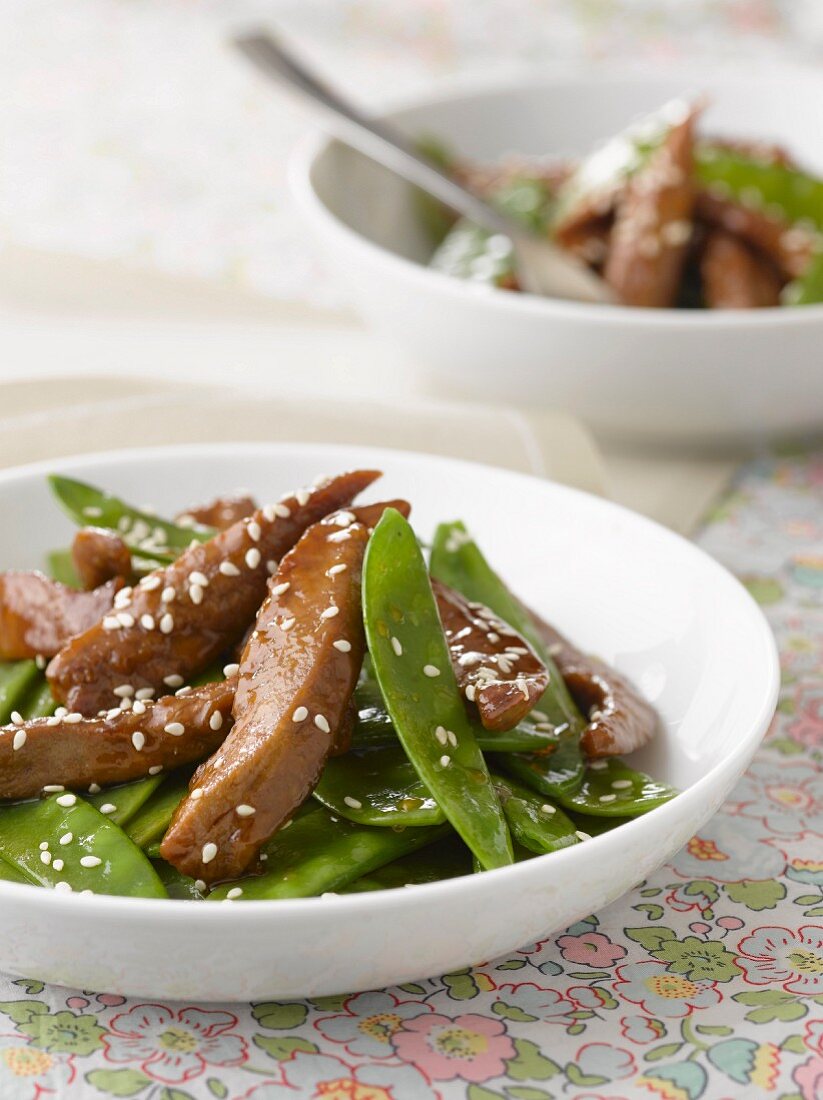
660 609
666 375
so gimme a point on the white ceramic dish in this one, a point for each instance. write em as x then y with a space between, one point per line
675 376
664 612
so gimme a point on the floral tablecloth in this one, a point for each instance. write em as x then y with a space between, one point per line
705 981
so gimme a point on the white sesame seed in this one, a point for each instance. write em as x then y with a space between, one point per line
138 739
173 681
60 712
252 558
431 670
66 800
124 691
196 793
547 808
53 788
230 670
342 645
302 496
330 612
322 723
271 567
125 619
209 852
471 690
199 578
228 569
397 646
621 784
94 788
90 861
607 798
168 594
452 738
111 623
125 704
147 622
345 519
175 729
196 594
66 838
155 769
339 536
244 810
19 741
288 622
354 803
335 570
279 589
445 761
166 624
40 661
62 887
441 735
253 529
281 510
44 845
598 765
199 885
493 638
53 721
300 715
123 599
152 581
58 864
216 720
138 707
45 857
582 836
235 892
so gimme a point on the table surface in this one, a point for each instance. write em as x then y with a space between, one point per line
704 981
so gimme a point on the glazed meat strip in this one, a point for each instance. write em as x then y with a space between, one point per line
734 277
790 248
39 616
219 513
99 555
620 720
179 619
653 224
297 677
74 752
496 669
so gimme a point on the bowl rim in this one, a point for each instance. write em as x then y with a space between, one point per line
378 903
313 146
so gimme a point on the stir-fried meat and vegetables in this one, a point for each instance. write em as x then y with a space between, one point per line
289 700
667 216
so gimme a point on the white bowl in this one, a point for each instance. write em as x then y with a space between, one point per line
656 606
675 376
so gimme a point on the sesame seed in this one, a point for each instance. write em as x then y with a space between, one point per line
66 838
122 599
63 887
124 691
302 496
94 788
445 761
471 690
235 892
53 788
53 721
173 681
345 519
216 720
45 857
125 704
279 589
431 671
66 800
147 622
175 729
166 624
330 612
607 798
547 808
167 595
148 584
582 836
138 739
441 735
322 723
493 638
281 510
244 810
199 578
40 661
342 645
354 803
452 737
230 670
61 712
253 529
339 536
90 861
287 623
19 740
228 569
397 646
334 570
597 765
621 784
138 707
58 864
155 769
144 693
196 793
209 852
43 845
111 623
125 619
252 558
271 567
199 885
300 715
196 594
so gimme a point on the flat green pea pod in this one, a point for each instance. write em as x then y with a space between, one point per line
17 678
178 886
377 786
448 858
60 567
535 824
39 702
318 853
142 532
121 804
63 839
151 821
808 289
412 665
555 775
612 789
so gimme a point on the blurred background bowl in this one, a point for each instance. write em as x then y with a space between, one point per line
678 376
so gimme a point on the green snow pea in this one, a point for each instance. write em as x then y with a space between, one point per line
412 665
808 289
611 789
39 702
60 567
85 504
16 680
535 824
318 853
178 886
377 786
119 866
553 774
449 858
153 817
126 800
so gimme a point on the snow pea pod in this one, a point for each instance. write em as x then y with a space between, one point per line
764 183
10 873
318 853
60 567
16 680
39 702
449 858
555 775
535 824
808 289
141 531
413 667
179 887
153 818
97 855
377 786
120 804
611 789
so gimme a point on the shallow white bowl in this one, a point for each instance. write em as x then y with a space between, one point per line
675 376
660 609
